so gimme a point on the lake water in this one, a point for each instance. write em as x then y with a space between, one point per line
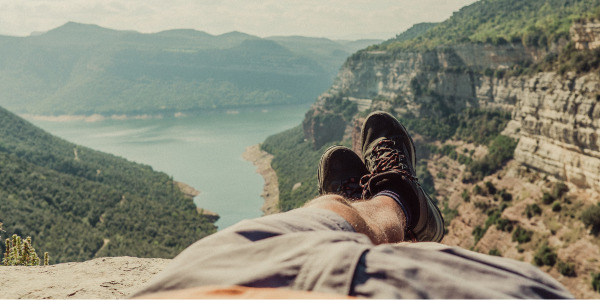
204 151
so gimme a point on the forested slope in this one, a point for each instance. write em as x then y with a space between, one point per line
77 203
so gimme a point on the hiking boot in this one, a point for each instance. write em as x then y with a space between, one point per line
340 171
389 155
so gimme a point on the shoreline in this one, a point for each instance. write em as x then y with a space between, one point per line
190 192
95 117
262 161
152 115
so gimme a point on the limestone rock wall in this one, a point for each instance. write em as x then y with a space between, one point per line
586 35
555 117
559 121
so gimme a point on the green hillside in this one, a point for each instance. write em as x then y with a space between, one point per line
533 23
77 203
87 69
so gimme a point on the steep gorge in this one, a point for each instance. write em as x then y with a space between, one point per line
554 116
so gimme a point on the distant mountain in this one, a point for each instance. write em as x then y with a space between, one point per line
87 69
329 54
77 203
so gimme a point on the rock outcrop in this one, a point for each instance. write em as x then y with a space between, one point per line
554 117
586 35
100 278
559 122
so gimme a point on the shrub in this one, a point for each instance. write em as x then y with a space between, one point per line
501 150
504 195
591 218
547 198
565 268
596 282
477 190
495 252
465 196
448 214
559 190
493 216
545 256
521 235
481 205
504 225
556 206
491 189
478 233
532 210
21 253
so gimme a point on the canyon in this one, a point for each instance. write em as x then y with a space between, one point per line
554 116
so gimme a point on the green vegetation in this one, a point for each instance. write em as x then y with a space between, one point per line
478 233
559 189
295 161
521 235
338 106
566 268
533 23
425 178
77 203
547 198
591 218
21 253
495 252
567 60
490 188
449 214
556 206
411 33
472 125
504 195
494 218
465 196
477 190
544 256
596 282
532 210
500 151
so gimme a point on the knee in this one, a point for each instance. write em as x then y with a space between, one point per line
330 199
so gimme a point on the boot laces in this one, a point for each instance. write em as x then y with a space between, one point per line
387 157
350 187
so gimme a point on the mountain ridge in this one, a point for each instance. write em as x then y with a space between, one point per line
87 69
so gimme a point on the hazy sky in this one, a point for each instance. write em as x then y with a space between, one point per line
317 18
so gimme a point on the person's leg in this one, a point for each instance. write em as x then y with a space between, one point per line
389 155
339 174
379 218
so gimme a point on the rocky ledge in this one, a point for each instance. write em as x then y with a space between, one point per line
100 278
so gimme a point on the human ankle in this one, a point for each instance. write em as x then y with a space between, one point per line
385 216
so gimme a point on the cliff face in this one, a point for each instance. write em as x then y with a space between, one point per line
559 122
554 117
586 35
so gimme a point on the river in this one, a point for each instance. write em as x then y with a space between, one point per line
203 150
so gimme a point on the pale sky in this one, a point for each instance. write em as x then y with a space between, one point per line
315 18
